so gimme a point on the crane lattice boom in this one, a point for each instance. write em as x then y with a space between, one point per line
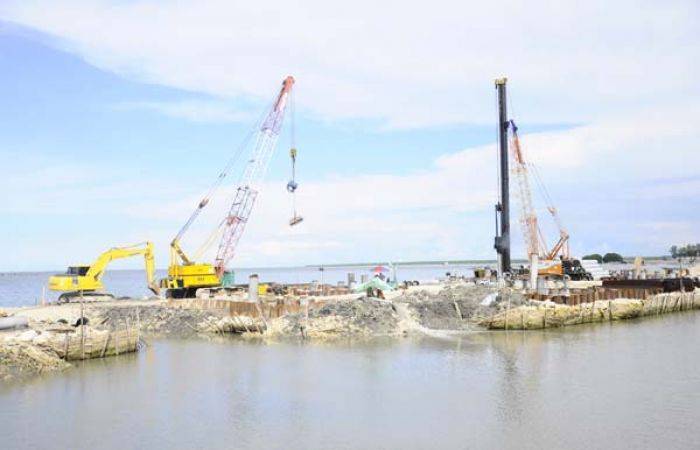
528 218
534 239
247 191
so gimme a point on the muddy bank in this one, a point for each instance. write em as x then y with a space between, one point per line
451 308
162 320
344 318
149 317
55 335
457 307
460 306
19 360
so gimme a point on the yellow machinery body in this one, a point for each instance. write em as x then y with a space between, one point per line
551 268
192 276
88 278
186 276
75 279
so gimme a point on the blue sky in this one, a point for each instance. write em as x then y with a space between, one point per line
118 115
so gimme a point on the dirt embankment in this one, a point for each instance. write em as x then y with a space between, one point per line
457 307
53 334
21 360
345 318
460 306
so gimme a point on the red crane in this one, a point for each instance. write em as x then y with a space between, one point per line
247 191
534 239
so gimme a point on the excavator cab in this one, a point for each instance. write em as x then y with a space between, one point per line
77 270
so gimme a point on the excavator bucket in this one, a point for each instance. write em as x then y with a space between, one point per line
153 287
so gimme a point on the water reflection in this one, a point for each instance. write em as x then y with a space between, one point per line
623 385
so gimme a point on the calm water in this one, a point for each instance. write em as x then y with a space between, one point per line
633 385
25 288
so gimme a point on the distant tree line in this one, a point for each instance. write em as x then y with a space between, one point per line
686 251
607 258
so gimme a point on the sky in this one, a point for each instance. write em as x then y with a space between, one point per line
118 115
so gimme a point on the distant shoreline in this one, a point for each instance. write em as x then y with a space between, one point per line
628 259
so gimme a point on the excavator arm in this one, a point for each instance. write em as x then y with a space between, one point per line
97 268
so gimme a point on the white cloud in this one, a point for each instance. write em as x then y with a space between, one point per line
405 64
446 210
624 70
192 110
443 211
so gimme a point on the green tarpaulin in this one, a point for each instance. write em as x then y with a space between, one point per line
374 283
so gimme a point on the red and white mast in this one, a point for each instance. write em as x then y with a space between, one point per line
247 191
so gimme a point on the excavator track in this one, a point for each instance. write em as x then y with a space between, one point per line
88 297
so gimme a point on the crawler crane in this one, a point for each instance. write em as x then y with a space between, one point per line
554 261
185 275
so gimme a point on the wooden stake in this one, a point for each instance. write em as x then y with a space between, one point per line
116 342
104 347
128 335
82 326
65 349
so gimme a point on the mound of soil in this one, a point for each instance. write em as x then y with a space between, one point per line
155 319
345 318
21 360
459 306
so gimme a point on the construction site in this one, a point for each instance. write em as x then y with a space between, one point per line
200 297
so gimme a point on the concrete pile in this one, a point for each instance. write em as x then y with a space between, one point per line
539 315
235 324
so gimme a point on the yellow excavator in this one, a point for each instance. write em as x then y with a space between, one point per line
87 279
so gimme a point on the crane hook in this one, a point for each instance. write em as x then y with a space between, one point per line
292 187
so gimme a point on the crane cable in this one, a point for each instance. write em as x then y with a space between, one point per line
292 185
213 188
549 202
